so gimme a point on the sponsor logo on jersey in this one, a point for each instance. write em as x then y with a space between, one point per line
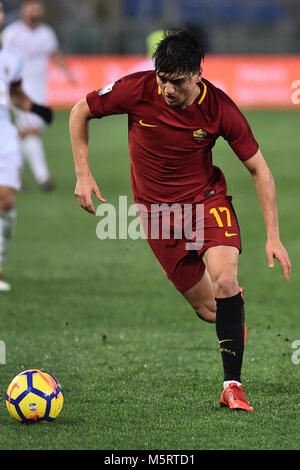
106 89
199 135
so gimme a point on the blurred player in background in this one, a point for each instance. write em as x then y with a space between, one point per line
175 118
36 42
152 41
11 91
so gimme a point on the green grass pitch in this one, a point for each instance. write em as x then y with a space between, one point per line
138 369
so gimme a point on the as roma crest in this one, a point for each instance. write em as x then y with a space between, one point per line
199 135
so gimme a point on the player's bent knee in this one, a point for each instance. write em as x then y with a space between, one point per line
225 286
7 199
206 313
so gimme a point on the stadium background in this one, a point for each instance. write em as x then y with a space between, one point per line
120 26
139 371
251 46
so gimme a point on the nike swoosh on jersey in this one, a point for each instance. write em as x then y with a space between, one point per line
229 234
146 125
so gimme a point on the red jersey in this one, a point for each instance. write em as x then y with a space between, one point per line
171 148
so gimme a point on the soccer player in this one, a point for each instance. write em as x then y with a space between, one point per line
10 155
36 42
175 117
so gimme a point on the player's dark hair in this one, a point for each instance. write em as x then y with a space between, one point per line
179 52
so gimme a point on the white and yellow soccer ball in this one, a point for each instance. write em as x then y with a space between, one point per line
33 396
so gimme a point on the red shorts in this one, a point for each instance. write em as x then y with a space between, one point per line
179 241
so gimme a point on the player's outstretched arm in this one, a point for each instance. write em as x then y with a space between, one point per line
59 59
266 191
86 185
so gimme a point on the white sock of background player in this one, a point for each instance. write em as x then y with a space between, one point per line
7 224
34 154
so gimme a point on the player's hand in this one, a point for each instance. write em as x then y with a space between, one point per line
86 186
275 249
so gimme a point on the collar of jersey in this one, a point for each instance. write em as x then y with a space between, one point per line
204 91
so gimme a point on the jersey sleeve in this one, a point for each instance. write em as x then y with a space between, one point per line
117 98
8 35
52 41
236 130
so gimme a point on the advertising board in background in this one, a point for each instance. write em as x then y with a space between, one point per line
251 81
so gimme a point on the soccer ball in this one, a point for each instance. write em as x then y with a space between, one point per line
33 396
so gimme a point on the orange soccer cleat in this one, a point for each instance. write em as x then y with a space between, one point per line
242 291
234 397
